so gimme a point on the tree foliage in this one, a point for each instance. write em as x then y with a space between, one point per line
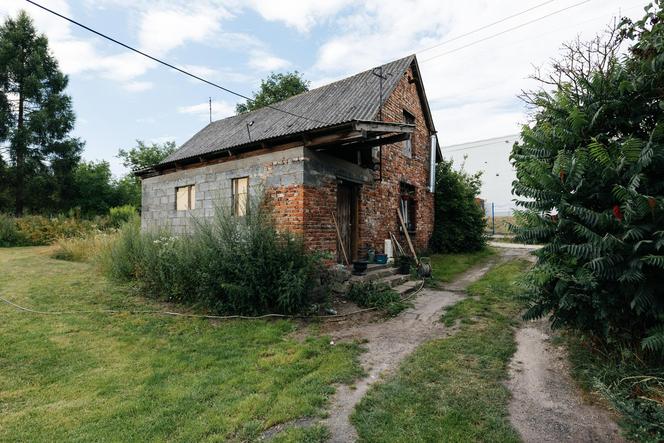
273 89
36 117
459 220
143 155
589 176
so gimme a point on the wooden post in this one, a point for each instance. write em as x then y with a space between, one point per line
341 242
405 231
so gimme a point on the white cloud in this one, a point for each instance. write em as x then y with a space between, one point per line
264 61
138 86
161 31
298 14
220 109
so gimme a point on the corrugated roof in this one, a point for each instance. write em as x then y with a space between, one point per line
353 98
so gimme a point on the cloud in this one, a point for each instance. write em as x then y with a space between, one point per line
220 109
264 61
138 86
298 14
161 31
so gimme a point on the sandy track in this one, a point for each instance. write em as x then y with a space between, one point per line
546 405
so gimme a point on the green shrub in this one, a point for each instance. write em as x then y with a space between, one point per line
459 221
370 294
589 175
40 230
229 264
120 215
9 232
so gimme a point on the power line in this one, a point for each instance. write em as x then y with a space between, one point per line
182 71
503 32
444 42
475 147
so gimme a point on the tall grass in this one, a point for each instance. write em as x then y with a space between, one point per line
87 248
229 264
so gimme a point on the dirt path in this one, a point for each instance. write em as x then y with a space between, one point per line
389 342
546 405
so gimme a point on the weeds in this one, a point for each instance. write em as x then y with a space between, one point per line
376 295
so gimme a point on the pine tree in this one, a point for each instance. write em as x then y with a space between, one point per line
36 115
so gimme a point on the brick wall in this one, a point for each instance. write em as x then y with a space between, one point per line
379 199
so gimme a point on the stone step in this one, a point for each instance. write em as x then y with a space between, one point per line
394 280
375 272
406 288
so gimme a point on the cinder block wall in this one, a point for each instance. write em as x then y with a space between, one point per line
274 172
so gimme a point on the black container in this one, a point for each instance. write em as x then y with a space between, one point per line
360 267
404 263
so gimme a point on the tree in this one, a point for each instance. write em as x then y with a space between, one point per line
273 89
140 157
37 115
589 174
143 156
95 190
459 220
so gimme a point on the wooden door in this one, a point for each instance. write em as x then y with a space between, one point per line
347 220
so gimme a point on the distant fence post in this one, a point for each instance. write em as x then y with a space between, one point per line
493 219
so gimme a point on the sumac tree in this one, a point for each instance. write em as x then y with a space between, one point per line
590 177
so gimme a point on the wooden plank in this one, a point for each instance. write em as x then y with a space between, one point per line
405 231
336 225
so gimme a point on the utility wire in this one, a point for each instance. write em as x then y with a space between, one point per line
182 71
444 42
503 32
475 147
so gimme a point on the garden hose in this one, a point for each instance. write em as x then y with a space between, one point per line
205 316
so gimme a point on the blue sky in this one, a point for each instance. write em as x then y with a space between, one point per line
120 97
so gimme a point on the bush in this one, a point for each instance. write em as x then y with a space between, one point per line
229 264
120 215
589 174
376 295
9 232
459 220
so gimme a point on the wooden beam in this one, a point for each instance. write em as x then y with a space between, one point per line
384 127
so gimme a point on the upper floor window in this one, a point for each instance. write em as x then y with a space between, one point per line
240 196
409 119
185 198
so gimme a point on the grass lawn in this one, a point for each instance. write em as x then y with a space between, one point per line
123 377
447 266
452 389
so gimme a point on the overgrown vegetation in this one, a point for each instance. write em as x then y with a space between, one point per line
38 230
452 389
459 220
143 377
371 294
589 173
633 387
228 264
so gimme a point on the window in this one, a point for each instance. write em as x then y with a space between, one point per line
185 198
407 205
409 119
240 196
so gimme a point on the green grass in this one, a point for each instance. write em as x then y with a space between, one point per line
447 266
630 383
452 389
126 377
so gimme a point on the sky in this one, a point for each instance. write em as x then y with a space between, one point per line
472 81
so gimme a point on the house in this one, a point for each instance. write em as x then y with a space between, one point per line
359 148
